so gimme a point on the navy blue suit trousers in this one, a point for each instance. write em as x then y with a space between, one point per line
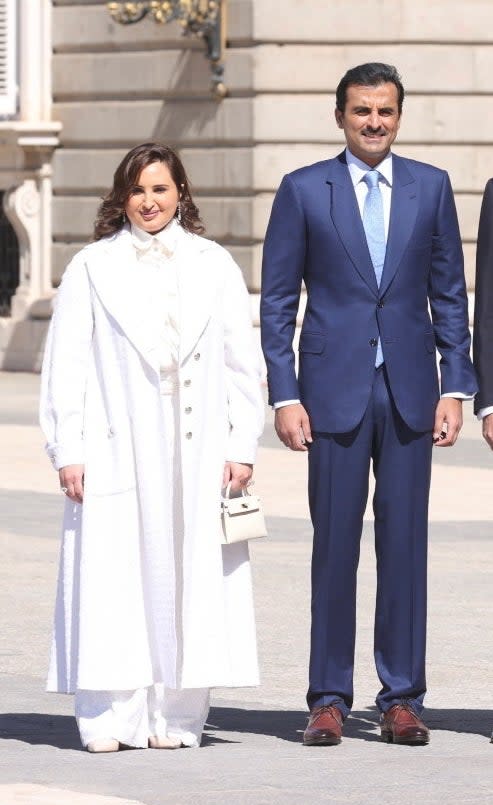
339 466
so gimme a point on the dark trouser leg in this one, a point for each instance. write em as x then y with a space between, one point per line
402 467
338 489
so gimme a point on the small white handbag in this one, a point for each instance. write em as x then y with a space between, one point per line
242 517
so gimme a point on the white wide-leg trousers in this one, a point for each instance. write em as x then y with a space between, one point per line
132 716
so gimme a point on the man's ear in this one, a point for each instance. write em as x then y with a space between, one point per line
338 116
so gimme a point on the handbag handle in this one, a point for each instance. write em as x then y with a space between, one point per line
244 492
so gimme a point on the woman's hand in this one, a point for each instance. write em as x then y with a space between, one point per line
72 481
238 474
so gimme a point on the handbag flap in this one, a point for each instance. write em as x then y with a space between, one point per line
242 505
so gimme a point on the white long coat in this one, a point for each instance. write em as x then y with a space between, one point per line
115 619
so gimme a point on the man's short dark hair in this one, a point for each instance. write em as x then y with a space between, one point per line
369 75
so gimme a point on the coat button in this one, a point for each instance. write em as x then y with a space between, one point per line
196 357
381 304
187 383
373 342
188 435
111 433
188 410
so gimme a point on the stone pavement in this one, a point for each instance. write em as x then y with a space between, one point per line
251 753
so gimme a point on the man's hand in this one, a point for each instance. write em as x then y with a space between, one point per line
488 429
448 422
293 426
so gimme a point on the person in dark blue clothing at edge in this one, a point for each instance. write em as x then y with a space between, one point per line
375 239
483 318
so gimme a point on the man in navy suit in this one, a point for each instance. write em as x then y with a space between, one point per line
376 241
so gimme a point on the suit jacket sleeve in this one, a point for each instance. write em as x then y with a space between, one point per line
282 275
483 310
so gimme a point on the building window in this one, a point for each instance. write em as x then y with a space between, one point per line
8 58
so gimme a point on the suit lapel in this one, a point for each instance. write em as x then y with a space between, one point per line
403 211
347 220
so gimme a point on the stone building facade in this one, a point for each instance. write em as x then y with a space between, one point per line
90 88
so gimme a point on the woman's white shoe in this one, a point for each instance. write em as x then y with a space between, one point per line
103 745
163 742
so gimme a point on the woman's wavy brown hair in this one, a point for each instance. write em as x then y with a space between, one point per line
111 214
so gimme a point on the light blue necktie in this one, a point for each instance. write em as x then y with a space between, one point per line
373 223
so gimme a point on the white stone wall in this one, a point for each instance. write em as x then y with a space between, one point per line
116 85
444 52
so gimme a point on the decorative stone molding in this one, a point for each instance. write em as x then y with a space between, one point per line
21 207
28 208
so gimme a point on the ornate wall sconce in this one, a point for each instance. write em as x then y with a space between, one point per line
205 18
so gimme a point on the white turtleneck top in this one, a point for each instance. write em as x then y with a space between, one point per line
156 258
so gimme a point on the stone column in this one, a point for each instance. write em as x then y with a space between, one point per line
28 205
35 60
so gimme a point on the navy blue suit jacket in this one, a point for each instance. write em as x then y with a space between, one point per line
483 319
316 235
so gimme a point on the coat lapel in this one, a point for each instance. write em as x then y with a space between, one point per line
115 275
114 272
197 289
403 213
347 220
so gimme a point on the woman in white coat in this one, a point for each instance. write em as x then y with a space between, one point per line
150 404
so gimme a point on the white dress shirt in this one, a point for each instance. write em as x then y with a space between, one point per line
357 170
155 254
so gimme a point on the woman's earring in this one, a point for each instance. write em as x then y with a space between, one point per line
124 217
178 213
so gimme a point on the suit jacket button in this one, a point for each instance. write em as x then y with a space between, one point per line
188 435
381 304
373 342
187 383
196 357
188 410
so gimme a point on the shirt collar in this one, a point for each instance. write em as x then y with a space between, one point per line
358 168
166 239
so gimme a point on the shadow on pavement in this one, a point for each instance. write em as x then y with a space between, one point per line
476 722
41 518
286 725
40 728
